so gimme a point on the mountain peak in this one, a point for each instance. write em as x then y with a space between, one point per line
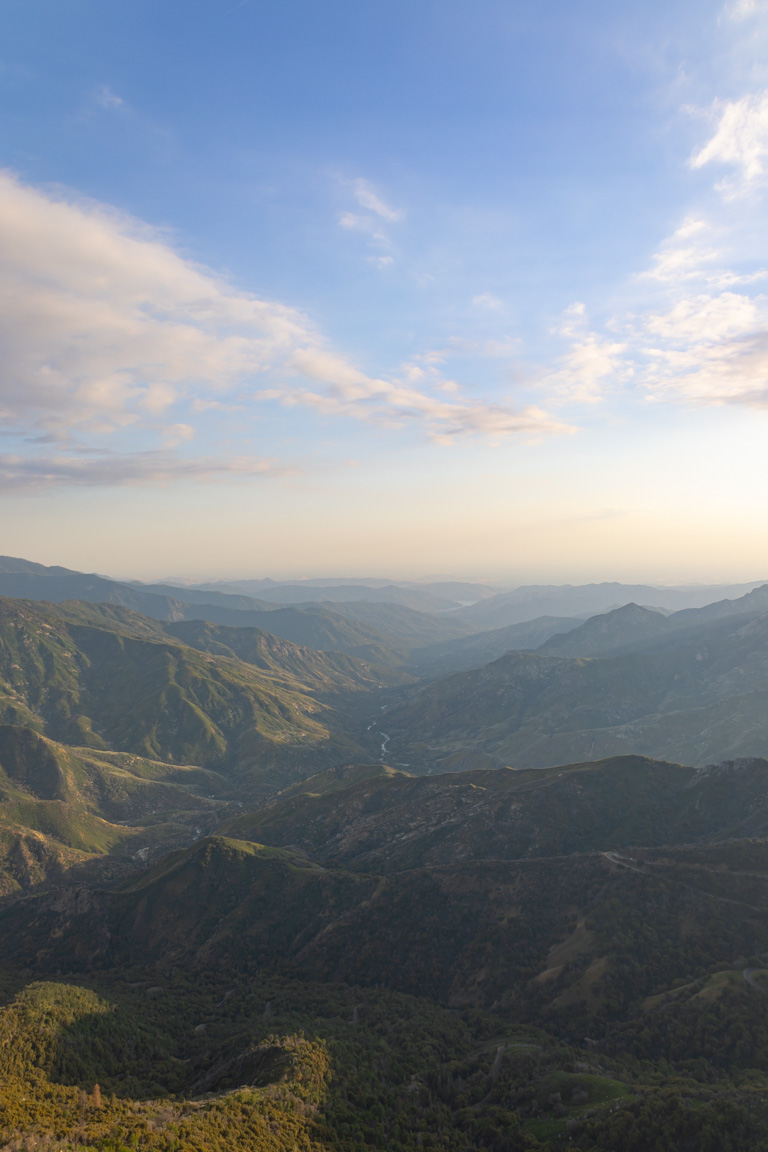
608 632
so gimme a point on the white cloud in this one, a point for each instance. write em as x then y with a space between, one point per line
100 319
590 365
706 319
683 254
367 198
106 98
32 473
355 223
176 434
573 320
373 222
740 139
489 301
350 392
690 255
706 344
708 349
744 9
105 328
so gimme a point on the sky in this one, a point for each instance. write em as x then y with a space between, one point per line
406 289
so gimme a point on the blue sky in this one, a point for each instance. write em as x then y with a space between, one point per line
410 288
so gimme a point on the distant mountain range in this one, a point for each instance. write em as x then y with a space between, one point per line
449 592
530 602
482 647
691 686
383 632
538 921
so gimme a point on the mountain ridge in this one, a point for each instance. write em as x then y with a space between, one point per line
699 698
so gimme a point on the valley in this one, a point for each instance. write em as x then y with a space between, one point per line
413 885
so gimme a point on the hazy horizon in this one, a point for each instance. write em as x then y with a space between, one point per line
502 581
412 289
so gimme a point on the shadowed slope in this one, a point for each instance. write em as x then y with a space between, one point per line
699 698
383 819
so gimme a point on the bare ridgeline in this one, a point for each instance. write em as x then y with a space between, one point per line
382 865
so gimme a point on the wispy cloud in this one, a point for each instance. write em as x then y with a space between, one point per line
740 140
397 403
592 366
745 9
707 349
102 321
105 329
176 434
369 199
488 301
106 98
373 221
704 342
33 473
697 328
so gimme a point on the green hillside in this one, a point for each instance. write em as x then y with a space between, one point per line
93 811
223 926
201 991
108 679
379 632
280 1065
119 740
553 940
327 673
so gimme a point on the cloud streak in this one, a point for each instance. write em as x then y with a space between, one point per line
367 198
707 344
698 331
20 473
372 221
107 331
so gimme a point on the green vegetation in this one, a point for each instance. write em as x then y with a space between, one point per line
105 677
261 1061
118 740
64 808
220 927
